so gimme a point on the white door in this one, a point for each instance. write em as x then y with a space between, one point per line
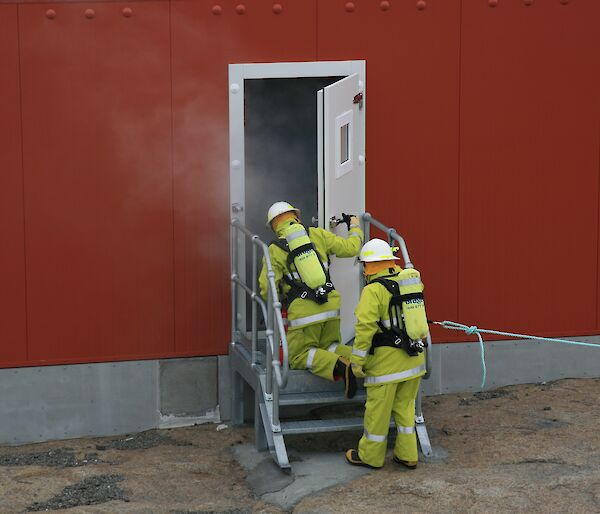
340 140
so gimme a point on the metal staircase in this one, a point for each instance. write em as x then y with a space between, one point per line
259 357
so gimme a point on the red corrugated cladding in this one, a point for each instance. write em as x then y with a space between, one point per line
13 331
203 46
412 127
482 147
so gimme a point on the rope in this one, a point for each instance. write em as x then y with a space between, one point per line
474 330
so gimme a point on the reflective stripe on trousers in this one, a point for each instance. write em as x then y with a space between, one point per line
322 316
332 347
405 430
395 376
374 438
310 358
360 353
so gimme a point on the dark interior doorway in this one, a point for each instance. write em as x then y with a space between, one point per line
280 138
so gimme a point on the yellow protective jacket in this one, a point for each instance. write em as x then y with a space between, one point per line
302 312
386 365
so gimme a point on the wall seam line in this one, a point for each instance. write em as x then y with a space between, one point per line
172 175
598 229
458 203
23 185
317 28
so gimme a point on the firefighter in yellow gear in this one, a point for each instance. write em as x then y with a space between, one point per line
314 337
391 375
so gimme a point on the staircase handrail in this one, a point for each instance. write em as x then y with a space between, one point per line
270 310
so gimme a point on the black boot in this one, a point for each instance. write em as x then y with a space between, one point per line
353 458
344 369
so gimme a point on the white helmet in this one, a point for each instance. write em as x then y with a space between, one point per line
279 208
377 250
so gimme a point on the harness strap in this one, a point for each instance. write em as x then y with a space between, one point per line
299 289
393 334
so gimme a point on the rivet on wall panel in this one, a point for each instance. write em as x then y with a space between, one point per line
234 88
421 5
564 2
89 13
384 6
240 9
216 10
493 3
349 7
50 14
127 12
528 2
277 8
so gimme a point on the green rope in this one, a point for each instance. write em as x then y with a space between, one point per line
452 325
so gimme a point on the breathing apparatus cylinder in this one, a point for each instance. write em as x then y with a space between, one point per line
307 262
413 307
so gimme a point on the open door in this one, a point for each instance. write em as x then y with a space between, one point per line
341 183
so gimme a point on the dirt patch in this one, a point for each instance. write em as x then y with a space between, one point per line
90 491
486 395
59 457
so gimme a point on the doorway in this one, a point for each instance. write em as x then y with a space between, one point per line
297 135
281 147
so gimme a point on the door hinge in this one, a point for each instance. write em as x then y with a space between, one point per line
358 99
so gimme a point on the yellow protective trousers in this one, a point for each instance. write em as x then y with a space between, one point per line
383 401
317 347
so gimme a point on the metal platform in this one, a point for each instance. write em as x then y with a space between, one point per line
255 362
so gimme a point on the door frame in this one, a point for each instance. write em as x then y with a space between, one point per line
237 172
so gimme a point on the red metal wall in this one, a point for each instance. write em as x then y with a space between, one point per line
530 118
114 171
13 320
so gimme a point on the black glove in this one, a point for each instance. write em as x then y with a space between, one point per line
346 219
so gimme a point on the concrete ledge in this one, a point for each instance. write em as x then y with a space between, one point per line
60 402
457 366
188 387
64 402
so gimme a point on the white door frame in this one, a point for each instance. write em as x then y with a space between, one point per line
237 172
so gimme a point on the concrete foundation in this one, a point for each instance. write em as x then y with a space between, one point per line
62 402
457 366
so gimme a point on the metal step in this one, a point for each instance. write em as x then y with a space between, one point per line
316 398
321 425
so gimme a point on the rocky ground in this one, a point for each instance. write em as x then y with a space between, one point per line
530 448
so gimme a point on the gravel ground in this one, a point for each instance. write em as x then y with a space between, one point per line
59 457
529 448
90 491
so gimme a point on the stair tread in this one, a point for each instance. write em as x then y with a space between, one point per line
321 397
321 425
